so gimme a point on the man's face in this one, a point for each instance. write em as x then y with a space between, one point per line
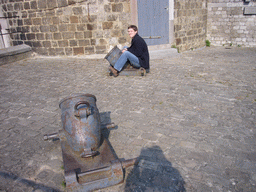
131 32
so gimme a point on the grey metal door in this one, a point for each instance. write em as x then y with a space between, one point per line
153 21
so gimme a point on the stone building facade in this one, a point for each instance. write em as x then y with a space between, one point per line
190 24
78 27
232 22
67 27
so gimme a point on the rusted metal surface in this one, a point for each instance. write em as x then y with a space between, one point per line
90 162
81 123
87 174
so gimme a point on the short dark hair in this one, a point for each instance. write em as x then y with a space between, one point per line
134 27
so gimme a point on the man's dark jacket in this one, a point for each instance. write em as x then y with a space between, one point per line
140 49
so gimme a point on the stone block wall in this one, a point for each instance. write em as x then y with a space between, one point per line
227 24
190 23
68 27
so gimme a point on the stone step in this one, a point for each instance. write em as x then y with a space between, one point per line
14 53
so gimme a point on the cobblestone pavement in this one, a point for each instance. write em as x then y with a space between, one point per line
191 120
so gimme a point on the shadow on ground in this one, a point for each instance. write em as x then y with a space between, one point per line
36 186
154 173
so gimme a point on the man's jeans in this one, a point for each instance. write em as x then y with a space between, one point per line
127 56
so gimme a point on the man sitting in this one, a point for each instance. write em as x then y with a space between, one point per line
137 54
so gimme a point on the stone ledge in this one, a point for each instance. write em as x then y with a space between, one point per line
14 53
250 10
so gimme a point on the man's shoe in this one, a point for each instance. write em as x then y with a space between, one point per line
114 71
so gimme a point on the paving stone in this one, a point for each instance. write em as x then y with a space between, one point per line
191 120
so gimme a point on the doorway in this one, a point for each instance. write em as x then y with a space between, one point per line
153 21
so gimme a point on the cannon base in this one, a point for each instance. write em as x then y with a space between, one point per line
97 172
131 71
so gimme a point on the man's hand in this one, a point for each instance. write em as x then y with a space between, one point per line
124 50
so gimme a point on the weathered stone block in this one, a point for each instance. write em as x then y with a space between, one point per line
50 13
18 6
60 51
19 22
93 41
116 33
83 43
48 36
117 7
47 21
4 7
100 49
73 19
107 8
64 19
91 27
53 28
77 10
63 43
40 36
55 20
78 51
191 32
23 36
40 14
26 5
72 43
112 17
24 14
33 4
81 27
72 27
107 25
17 43
27 21
63 27
51 3
10 7
68 35
25 29
28 43
70 2
30 36
54 43
87 34
56 51
37 21
177 28
62 3
68 51
36 44
84 19
57 36
122 40
47 44
42 4
79 35
92 18
89 50
44 28
41 51
178 41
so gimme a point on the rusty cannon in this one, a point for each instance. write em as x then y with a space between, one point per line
90 162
